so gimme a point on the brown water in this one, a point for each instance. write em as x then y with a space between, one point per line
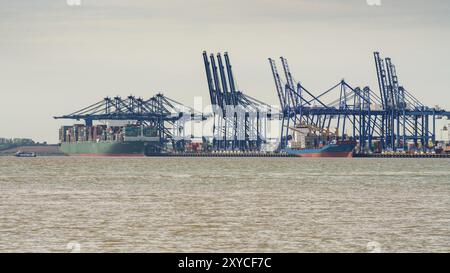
224 205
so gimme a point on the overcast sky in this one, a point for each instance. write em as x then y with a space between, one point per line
56 58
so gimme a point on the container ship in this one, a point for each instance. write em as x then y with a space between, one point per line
103 140
307 143
336 149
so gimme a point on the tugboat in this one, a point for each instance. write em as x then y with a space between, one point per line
25 154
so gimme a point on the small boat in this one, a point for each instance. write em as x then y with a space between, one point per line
334 149
25 154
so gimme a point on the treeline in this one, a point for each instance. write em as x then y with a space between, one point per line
7 143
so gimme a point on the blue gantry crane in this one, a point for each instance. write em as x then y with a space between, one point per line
240 121
392 119
168 116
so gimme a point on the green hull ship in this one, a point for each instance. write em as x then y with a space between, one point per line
126 148
129 140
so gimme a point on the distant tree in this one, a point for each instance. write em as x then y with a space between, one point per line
23 141
13 142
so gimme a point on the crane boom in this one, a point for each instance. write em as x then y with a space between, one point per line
278 84
231 80
209 79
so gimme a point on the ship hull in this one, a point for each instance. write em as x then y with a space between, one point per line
113 149
331 150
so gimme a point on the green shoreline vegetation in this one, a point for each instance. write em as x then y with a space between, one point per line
10 146
8 143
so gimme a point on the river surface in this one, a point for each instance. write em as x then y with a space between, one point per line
63 204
